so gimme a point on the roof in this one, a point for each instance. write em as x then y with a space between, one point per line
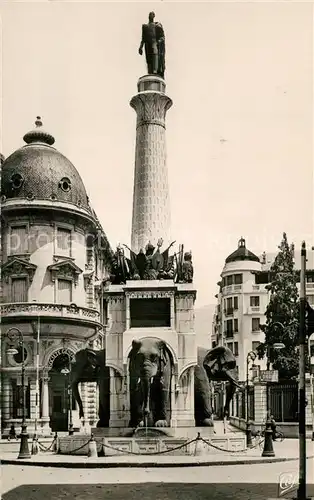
38 171
242 253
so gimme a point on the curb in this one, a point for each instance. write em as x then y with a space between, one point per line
112 465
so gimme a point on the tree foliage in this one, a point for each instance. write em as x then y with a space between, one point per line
282 309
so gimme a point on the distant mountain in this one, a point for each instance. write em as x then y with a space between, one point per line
203 324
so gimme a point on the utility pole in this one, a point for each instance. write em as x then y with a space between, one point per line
302 339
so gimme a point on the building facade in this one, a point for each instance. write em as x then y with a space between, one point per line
242 300
54 258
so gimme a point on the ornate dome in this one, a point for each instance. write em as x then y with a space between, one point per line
37 171
242 253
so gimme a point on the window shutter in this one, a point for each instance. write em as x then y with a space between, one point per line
64 291
19 290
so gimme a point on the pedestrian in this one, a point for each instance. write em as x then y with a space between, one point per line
12 433
273 426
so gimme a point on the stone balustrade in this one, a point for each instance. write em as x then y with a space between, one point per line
46 309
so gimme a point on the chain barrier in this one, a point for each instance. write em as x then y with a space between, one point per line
231 451
43 447
151 452
80 447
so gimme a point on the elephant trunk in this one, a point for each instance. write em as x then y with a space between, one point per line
146 384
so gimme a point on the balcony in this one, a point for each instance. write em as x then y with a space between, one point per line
60 311
229 334
254 310
256 288
310 285
228 311
231 289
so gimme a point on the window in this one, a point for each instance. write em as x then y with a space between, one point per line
64 291
230 346
255 345
64 241
229 280
255 324
236 349
229 331
238 279
235 303
229 303
254 301
235 325
18 240
213 344
19 290
146 313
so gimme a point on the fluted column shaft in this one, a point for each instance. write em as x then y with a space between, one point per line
151 203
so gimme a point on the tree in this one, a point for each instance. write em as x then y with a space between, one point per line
282 309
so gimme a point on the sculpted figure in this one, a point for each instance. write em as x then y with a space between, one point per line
187 268
150 378
153 39
120 267
151 265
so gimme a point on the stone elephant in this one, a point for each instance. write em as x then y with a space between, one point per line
214 365
150 370
90 366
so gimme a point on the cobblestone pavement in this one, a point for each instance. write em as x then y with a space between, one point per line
243 482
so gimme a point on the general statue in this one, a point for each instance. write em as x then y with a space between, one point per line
153 38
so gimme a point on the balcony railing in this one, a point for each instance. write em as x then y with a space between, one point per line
254 309
228 311
256 287
43 309
231 289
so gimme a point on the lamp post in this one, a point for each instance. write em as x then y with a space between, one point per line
68 373
16 337
250 357
311 359
268 450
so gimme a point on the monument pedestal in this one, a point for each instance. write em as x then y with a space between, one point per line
174 324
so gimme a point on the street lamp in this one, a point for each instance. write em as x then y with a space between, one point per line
68 372
311 358
268 450
16 337
250 357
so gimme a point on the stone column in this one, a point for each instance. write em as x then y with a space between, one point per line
45 417
6 396
151 204
260 402
32 399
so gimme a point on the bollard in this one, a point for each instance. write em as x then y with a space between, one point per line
92 448
34 450
199 447
55 447
268 450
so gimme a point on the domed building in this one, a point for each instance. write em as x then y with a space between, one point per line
55 256
241 306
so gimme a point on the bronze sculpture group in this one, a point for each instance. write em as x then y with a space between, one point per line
151 265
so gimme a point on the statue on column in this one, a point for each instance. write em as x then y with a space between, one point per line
153 38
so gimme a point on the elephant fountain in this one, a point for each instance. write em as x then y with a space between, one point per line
150 383
90 366
150 371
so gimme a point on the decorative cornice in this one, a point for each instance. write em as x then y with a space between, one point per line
65 269
16 267
150 294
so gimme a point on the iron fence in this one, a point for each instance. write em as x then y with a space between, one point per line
283 401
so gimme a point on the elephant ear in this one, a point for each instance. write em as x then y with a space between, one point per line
164 357
136 344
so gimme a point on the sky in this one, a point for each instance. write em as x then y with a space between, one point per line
239 133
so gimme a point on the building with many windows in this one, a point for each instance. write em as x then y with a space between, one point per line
54 259
242 301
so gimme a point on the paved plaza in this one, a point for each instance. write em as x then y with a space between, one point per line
247 482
